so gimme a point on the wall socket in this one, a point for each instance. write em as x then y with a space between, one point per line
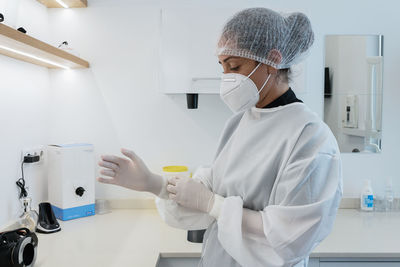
35 150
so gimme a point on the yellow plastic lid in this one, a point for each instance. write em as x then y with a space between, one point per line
175 169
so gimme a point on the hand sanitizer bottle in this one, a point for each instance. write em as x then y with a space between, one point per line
367 197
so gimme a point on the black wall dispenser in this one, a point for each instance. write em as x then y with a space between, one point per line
327 84
192 101
201 85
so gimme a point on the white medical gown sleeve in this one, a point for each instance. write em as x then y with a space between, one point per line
181 217
306 199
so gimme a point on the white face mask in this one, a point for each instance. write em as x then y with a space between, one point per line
239 92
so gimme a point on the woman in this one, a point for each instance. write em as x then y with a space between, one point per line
272 192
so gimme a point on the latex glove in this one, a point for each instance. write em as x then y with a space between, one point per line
130 172
190 193
195 195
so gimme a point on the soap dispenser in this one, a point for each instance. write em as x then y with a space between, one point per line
367 197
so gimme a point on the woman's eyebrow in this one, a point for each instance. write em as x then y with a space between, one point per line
226 59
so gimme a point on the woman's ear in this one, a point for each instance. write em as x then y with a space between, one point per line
275 56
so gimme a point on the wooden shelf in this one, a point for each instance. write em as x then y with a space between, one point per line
24 47
69 3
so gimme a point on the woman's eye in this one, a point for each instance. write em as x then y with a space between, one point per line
235 68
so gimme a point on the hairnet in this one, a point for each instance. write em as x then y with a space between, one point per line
266 36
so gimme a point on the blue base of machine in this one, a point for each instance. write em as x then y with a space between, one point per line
73 213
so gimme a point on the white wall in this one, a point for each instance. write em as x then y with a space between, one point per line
116 102
24 109
122 80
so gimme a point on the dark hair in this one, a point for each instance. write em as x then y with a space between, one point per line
284 75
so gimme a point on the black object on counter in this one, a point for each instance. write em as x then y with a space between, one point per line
196 236
1 17
47 220
18 248
192 101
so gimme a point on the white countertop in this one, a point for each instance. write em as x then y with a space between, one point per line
362 234
136 237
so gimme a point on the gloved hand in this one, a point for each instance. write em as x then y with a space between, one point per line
190 193
129 172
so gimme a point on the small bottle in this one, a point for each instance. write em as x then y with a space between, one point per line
29 217
389 196
367 197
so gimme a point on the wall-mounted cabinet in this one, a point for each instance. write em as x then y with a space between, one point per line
21 46
188 39
188 61
64 3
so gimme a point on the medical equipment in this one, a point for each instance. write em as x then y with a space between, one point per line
71 178
18 248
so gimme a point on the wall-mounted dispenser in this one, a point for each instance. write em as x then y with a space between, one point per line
350 112
201 85
327 84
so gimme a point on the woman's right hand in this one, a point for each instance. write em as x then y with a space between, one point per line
130 172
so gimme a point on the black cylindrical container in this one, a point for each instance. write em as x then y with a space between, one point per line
196 236
192 101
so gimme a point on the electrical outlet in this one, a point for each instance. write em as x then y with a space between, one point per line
35 151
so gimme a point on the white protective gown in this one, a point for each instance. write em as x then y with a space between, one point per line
283 162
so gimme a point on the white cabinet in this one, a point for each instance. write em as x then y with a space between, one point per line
358 264
188 41
178 262
313 262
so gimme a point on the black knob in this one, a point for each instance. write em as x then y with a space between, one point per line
79 191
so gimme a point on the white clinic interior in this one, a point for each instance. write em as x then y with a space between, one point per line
120 100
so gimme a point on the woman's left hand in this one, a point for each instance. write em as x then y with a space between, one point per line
190 193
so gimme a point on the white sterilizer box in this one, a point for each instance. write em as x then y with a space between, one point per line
71 178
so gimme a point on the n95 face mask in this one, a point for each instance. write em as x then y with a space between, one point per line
239 92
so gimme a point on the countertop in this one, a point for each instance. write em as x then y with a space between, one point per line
136 237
